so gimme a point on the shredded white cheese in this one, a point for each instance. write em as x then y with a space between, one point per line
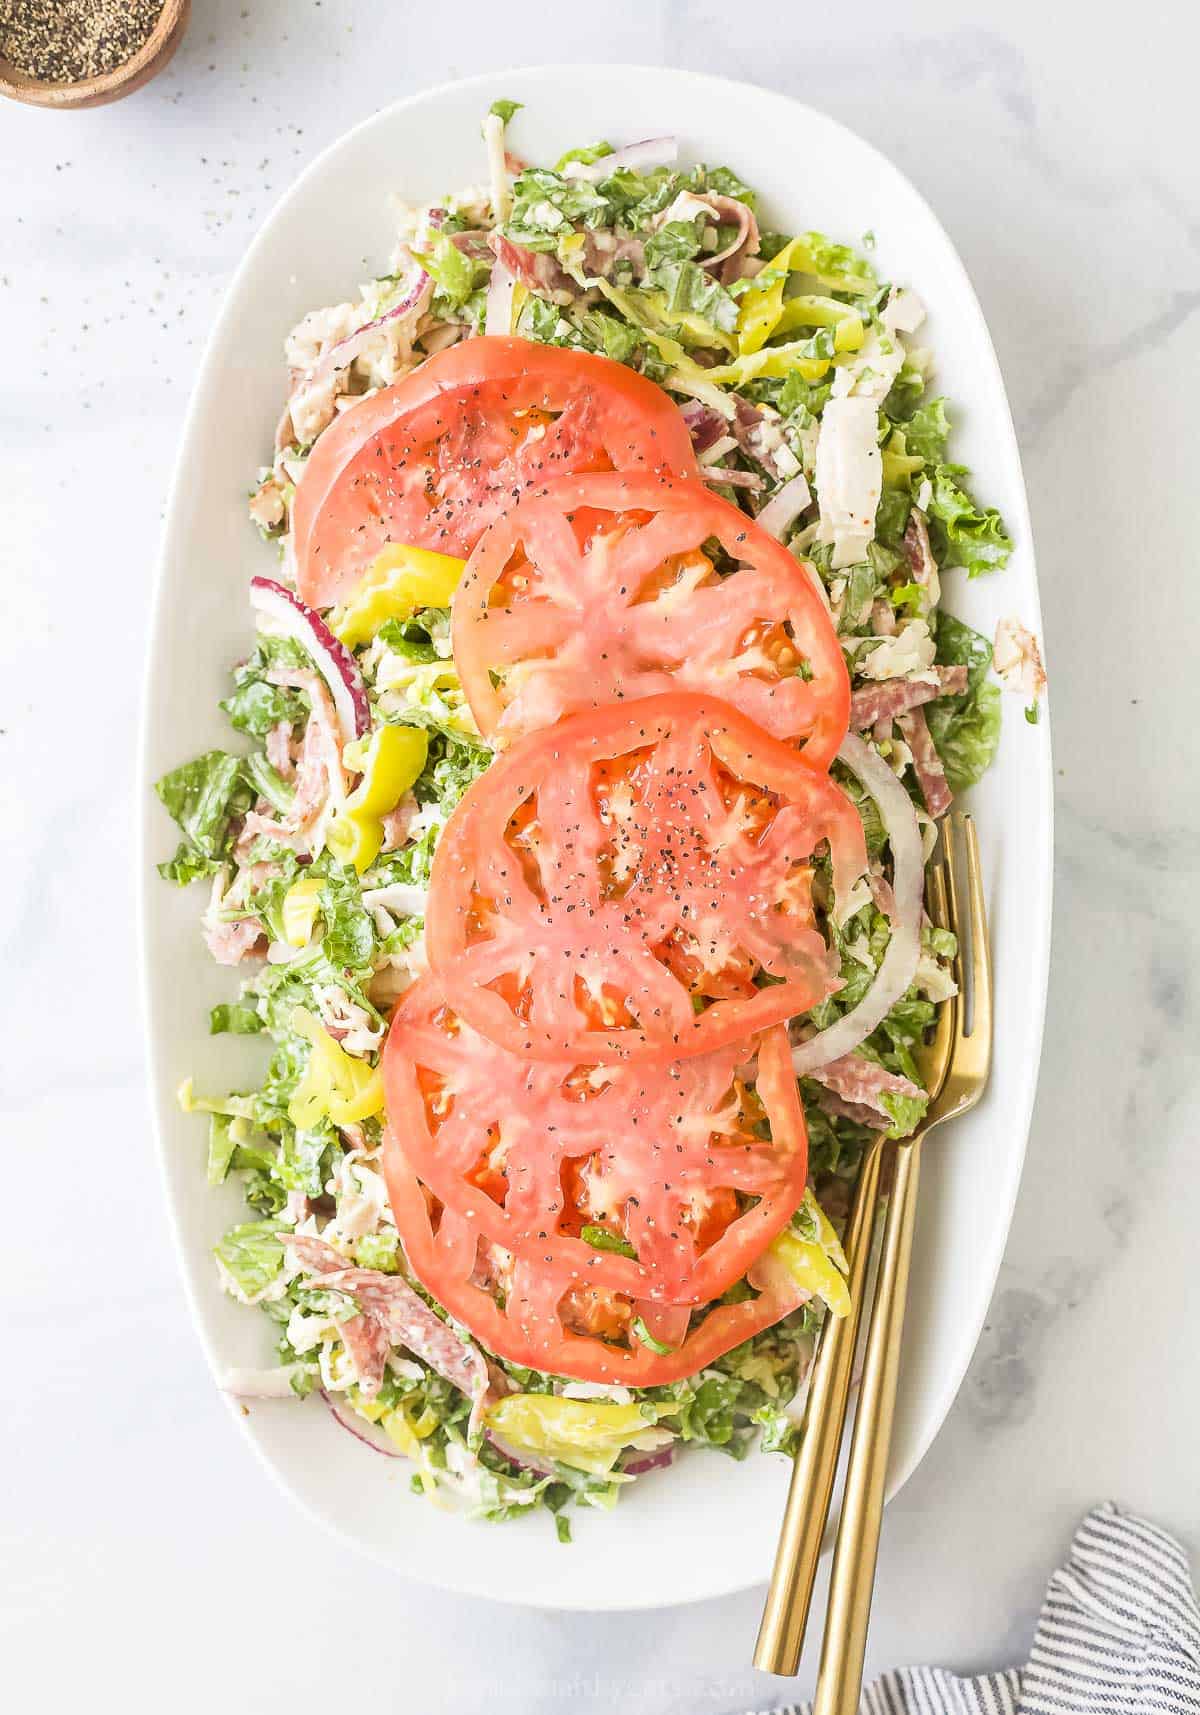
849 477
501 193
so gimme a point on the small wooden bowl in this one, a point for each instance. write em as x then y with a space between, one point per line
149 60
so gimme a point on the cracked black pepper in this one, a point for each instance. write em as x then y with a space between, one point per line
65 41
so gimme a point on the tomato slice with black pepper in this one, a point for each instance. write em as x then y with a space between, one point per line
641 882
519 1313
431 460
600 589
583 1219
658 1183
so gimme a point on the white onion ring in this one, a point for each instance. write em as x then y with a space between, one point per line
499 301
899 963
294 618
784 508
261 1384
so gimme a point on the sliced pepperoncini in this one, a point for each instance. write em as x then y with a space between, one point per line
334 1084
400 580
763 313
588 1434
301 905
816 1265
814 312
390 763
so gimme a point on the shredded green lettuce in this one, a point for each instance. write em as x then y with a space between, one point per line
203 796
962 533
251 1256
965 729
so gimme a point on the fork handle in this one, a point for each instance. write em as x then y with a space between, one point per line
852 1580
789 1595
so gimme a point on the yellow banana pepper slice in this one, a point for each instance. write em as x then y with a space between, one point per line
898 463
393 760
301 904
826 1235
397 1422
391 763
773 360
762 311
401 580
814 312
762 304
588 1434
817 1265
334 1085
355 840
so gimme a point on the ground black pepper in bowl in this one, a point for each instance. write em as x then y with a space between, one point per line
66 41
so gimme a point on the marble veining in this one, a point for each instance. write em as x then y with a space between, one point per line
1061 158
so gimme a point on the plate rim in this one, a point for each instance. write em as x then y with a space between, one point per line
157 1096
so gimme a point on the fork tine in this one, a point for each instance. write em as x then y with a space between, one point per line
981 958
934 1056
938 909
949 867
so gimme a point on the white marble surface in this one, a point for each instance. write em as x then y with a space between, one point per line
140 1548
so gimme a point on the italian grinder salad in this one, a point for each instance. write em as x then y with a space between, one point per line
570 838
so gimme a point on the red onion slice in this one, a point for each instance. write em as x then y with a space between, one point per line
499 302
783 509
635 157
518 1456
656 1461
899 963
705 425
353 1424
294 618
341 355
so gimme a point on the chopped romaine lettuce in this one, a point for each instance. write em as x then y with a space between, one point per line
250 1258
965 729
203 797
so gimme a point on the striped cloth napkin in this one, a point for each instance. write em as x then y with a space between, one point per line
1119 1634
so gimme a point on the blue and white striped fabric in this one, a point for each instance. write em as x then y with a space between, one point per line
1119 1634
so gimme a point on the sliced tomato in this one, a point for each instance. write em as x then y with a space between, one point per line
433 459
655 1184
602 589
637 883
528 1327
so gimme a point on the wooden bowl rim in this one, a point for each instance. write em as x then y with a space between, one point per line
37 93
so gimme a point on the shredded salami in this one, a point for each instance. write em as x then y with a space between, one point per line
919 554
364 1337
536 269
927 764
893 697
860 1084
839 1108
230 943
318 772
401 1316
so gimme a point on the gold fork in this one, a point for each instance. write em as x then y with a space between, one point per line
852 1580
954 1075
